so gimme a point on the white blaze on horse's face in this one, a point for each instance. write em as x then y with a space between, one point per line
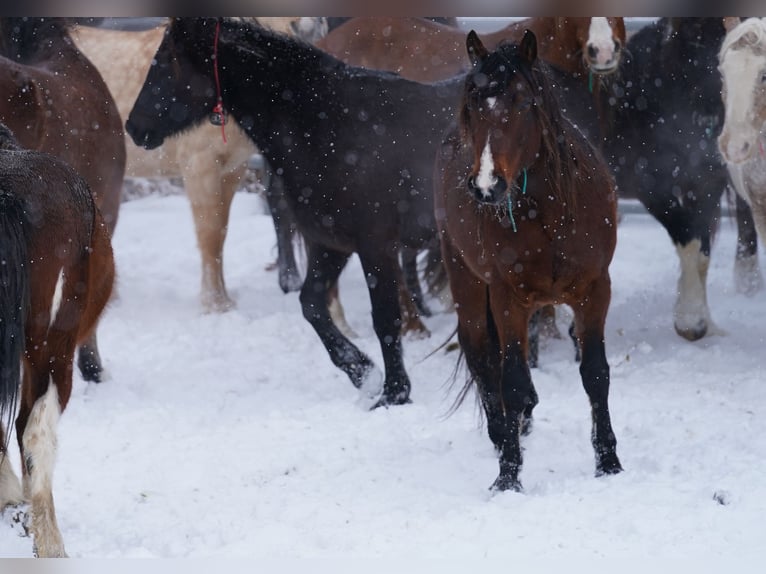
601 50
743 71
486 179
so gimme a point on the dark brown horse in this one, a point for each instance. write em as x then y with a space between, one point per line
355 149
422 50
55 280
526 209
55 101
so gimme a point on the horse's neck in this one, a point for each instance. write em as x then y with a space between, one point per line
272 90
54 45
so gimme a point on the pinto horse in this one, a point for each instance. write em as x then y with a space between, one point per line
55 101
354 147
527 212
742 143
56 278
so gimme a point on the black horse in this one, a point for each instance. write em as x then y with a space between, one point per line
355 149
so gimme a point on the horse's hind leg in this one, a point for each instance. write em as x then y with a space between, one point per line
45 392
284 227
10 487
382 272
89 360
590 317
101 281
410 269
747 274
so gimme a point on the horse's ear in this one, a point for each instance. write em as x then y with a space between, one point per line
529 46
730 22
476 50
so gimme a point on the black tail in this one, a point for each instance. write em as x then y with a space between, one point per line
14 301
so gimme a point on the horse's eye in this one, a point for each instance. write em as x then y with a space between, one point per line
763 78
525 104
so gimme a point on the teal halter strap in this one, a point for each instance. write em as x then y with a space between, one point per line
510 204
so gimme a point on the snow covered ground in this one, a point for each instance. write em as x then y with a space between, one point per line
234 436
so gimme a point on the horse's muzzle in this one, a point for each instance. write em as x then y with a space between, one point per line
142 138
492 195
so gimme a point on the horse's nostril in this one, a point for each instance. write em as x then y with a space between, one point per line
746 146
592 52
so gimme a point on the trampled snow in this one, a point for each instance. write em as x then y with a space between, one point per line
233 435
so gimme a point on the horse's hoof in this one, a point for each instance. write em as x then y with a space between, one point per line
290 282
90 369
526 426
693 333
387 401
609 464
505 483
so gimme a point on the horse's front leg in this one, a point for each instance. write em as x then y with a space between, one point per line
324 267
210 193
590 317
747 273
517 393
692 318
381 271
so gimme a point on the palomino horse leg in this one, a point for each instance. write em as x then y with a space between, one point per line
410 268
324 267
590 317
747 273
210 193
382 272
284 227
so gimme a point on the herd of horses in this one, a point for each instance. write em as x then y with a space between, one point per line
497 160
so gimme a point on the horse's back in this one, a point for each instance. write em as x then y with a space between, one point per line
415 48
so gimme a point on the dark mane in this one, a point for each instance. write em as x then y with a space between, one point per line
23 38
248 35
566 148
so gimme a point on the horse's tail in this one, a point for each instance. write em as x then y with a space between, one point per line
14 301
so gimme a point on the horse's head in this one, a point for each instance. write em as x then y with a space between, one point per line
742 63
498 116
179 90
601 41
